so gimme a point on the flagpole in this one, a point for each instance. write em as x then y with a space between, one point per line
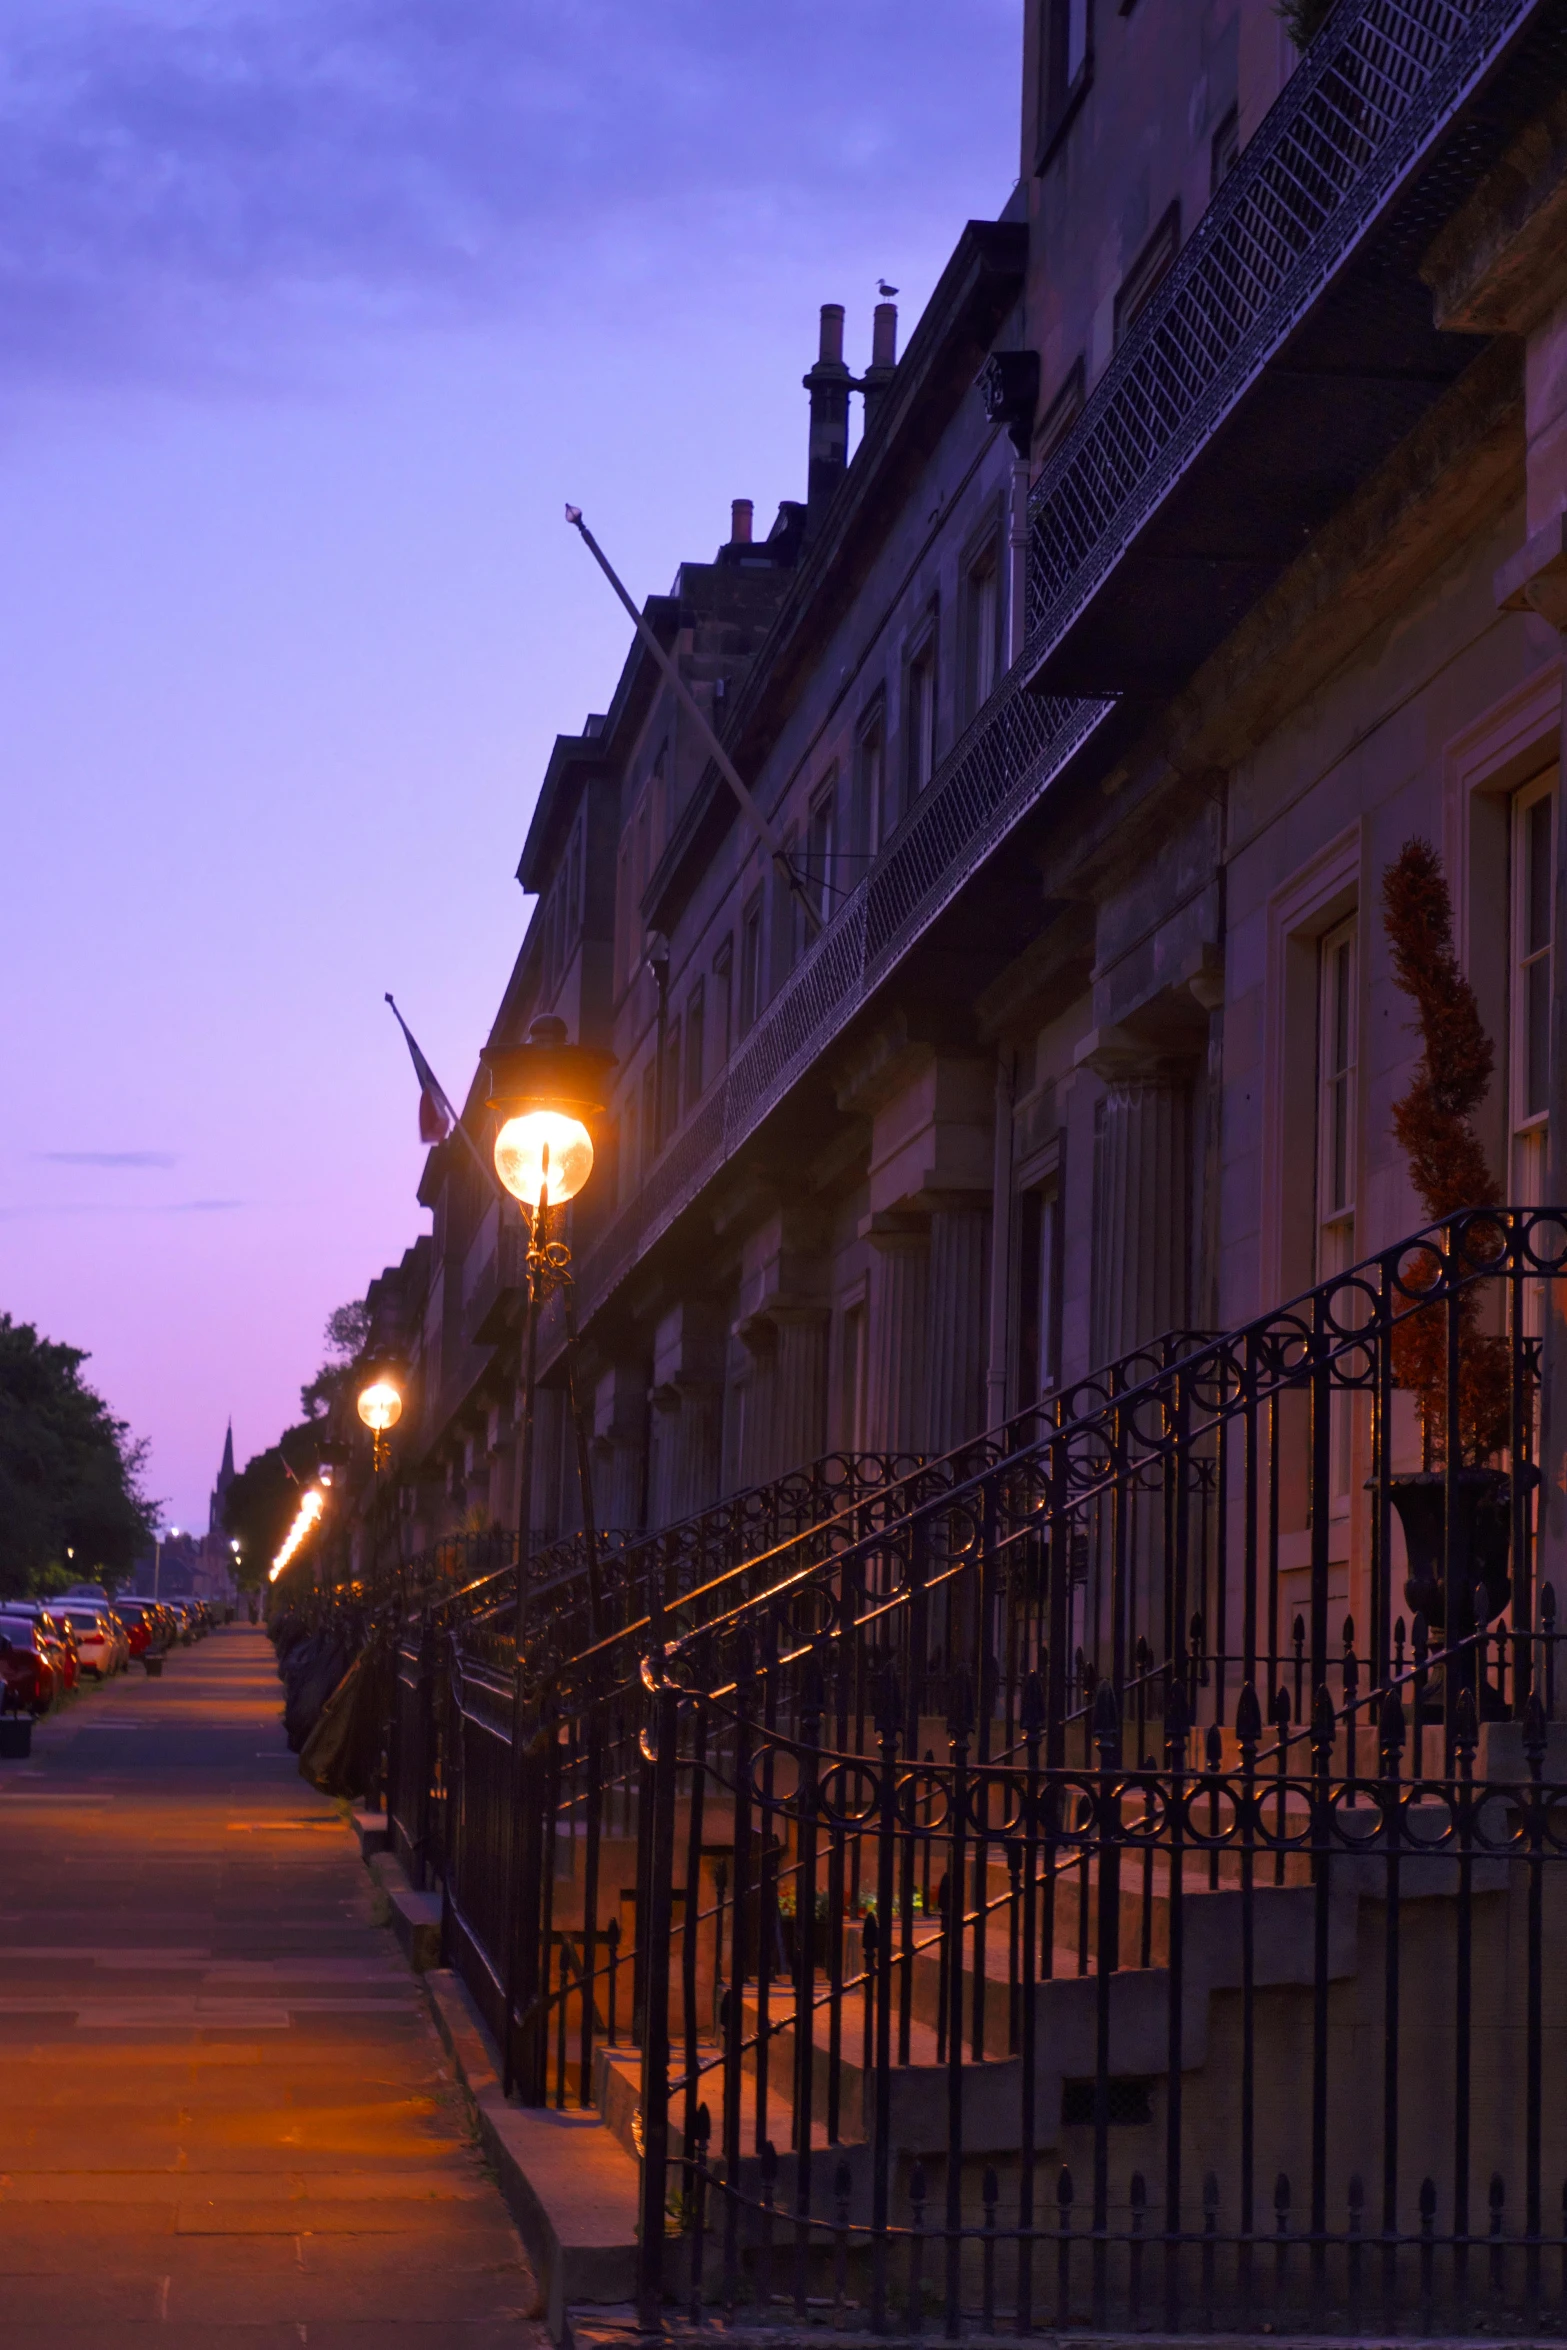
689 703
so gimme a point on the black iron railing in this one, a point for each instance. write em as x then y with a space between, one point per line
1070 1833
1116 1886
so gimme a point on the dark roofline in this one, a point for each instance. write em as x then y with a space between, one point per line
973 295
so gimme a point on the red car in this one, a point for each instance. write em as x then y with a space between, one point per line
134 1625
28 1676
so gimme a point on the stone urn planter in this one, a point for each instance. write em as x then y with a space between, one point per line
1483 1535
1484 1540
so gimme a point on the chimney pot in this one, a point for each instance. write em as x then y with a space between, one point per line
884 335
832 334
739 522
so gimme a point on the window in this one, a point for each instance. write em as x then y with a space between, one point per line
1036 1291
854 1378
1137 288
695 1040
1336 1064
821 844
750 962
650 1110
1224 153
658 810
981 628
630 1161
1338 1039
723 1001
669 1090
1066 59
920 716
625 917
872 820
1529 1057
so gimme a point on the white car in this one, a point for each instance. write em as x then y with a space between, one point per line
99 1644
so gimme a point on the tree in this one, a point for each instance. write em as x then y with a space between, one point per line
70 1473
261 1503
347 1334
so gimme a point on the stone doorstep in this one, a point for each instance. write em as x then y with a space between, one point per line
374 1833
416 1917
570 2186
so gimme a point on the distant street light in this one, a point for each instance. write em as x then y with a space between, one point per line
310 1508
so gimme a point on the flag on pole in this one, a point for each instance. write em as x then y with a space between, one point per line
436 1115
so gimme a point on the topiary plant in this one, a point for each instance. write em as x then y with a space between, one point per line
1433 1124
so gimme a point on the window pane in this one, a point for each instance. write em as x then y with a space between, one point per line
1538 855
1537 1026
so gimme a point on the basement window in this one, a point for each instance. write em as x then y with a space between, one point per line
1129 2101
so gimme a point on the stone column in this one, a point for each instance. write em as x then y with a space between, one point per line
799 1405
698 1432
619 1442
959 1319
757 1388
1142 1198
896 1413
663 1465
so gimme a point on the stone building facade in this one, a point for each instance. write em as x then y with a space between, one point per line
1204 542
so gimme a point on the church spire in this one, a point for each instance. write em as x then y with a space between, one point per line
215 1521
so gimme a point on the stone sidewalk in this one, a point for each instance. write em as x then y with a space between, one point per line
225 2117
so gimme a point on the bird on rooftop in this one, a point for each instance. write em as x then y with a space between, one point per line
886 292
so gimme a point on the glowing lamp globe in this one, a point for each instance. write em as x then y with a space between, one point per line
380 1406
545 1091
544 1154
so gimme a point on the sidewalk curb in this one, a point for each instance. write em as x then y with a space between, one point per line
569 2185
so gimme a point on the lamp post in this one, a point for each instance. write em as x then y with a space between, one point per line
158 1542
543 1093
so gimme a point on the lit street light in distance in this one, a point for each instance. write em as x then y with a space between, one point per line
310 1508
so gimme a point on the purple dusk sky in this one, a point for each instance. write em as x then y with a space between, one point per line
312 314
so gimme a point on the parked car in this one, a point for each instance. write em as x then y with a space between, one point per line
134 1627
157 1623
59 1638
30 1667
99 1642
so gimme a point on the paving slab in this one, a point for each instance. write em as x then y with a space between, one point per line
229 2117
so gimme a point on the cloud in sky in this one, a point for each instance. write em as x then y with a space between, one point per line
171 176
107 1158
177 1207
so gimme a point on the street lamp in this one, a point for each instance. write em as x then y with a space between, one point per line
380 1406
544 1093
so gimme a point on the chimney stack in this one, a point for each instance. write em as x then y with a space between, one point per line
739 522
884 359
828 384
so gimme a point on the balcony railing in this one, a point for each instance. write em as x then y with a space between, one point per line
1377 87
1379 84
1010 754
